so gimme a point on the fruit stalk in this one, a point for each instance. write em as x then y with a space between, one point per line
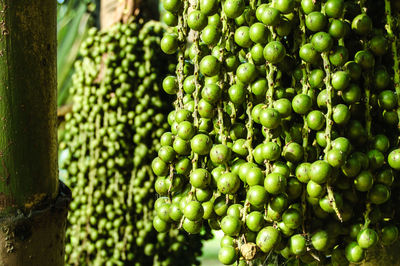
182 34
329 90
304 83
329 123
305 129
394 49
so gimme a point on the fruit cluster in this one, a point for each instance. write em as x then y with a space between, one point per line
285 133
111 136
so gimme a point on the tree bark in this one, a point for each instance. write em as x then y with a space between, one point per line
32 217
114 11
28 112
37 238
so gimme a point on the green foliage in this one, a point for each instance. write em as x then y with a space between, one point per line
74 17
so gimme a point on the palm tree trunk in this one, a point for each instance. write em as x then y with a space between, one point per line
32 216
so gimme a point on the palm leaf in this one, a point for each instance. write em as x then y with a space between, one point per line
72 23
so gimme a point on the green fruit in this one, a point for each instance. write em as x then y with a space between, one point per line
315 21
284 6
209 66
201 144
297 244
254 221
292 218
196 20
227 255
320 240
208 7
379 194
169 44
242 37
274 52
367 238
320 171
230 225
258 33
293 152
171 5
301 104
246 73
354 253
160 225
257 195
334 8
322 41
315 190
220 154
362 24
270 16
270 118
315 120
309 6
228 183
268 238
326 203
389 234
192 227
200 178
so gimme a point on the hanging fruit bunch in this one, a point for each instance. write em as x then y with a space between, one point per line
119 115
285 132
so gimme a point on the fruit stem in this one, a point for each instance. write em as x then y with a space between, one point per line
229 45
331 198
394 40
305 70
171 176
304 209
179 99
194 161
233 110
328 116
196 63
271 84
182 22
249 127
221 124
244 210
196 79
269 98
329 123
252 4
129 201
302 28
182 33
83 155
223 76
362 6
367 83
368 118
367 221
